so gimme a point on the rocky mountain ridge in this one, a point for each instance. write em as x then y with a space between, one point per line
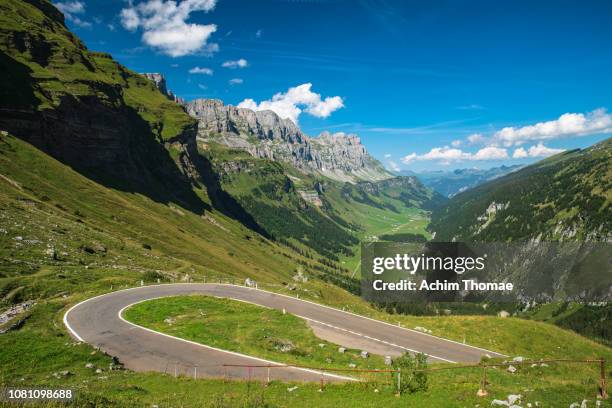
264 134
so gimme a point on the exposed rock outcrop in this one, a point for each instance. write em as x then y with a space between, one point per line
160 82
264 134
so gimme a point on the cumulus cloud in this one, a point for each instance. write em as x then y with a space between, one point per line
202 87
393 166
456 143
202 71
71 10
520 153
290 104
568 124
387 156
236 81
538 150
476 138
240 63
164 25
447 155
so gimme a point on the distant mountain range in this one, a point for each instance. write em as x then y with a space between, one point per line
564 197
451 183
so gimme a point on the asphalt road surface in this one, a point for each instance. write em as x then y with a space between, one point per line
98 321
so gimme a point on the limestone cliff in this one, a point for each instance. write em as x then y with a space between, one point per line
264 134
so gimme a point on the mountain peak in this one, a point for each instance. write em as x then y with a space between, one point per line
264 134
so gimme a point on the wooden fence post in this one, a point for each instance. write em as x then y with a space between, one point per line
602 379
482 392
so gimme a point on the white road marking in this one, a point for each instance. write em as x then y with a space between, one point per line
79 338
375 339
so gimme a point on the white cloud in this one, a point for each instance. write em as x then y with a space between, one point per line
568 124
456 143
542 151
111 27
165 28
258 33
520 153
70 9
476 138
240 63
490 153
203 71
447 155
290 104
538 150
393 165
387 156
236 81
202 87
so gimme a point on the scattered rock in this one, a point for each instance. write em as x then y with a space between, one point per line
422 329
341 349
511 369
169 320
89 365
365 354
99 371
291 389
388 360
352 365
62 374
503 314
518 359
321 345
282 345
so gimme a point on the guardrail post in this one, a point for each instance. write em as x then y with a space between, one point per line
482 392
268 377
195 372
224 373
175 370
399 381
322 383
602 379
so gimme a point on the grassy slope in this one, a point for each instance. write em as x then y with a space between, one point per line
349 213
569 191
244 328
39 208
61 65
98 234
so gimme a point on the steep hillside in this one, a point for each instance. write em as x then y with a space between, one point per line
564 197
85 109
125 131
265 135
326 215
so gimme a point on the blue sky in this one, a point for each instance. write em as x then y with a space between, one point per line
427 85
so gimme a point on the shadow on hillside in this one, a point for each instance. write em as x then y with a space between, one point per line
100 137
222 200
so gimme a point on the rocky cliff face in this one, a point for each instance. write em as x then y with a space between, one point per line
160 82
264 134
